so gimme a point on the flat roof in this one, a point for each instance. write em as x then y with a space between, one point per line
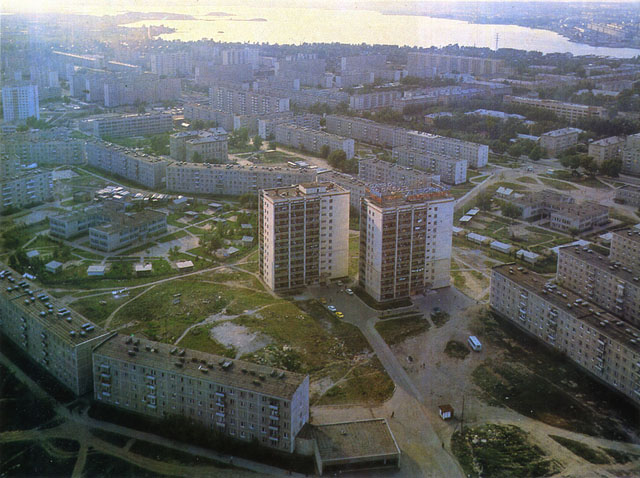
608 324
219 369
304 190
628 234
587 255
357 440
61 327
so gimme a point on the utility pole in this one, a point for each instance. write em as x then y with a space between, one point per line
497 40
462 417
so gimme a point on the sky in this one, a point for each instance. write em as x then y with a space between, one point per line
174 5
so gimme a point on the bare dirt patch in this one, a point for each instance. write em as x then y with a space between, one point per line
240 337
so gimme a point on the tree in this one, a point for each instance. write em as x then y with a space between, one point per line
484 201
196 157
159 144
511 210
249 201
324 151
536 153
611 167
257 142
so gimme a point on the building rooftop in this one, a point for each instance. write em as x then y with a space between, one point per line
630 234
562 132
222 370
589 256
563 299
236 167
35 305
609 141
355 440
392 194
304 190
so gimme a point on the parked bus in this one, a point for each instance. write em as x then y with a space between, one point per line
474 343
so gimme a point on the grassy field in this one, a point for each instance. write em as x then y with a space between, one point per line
527 179
98 308
394 331
500 451
583 451
558 184
455 349
172 236
542 384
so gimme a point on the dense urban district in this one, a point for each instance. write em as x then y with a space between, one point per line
248 260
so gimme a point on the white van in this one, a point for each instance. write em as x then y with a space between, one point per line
474 343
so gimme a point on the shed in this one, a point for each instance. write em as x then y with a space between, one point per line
143 269
477 238
246 226
53 266
230 251
527 256
457 231
32 254
501 246
446 411
214 205
465 219
247 239
96 270
184 266
504 192
473 212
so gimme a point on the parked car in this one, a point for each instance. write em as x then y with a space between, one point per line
340 315
331 308
349 291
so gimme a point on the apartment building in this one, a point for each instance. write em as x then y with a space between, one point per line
232 179
376 171
444 96
606 149
373 101
625 249
56 146
450 169
598 342
24 187
20 102
405 241
312 140
208 146
476 155
360 63
57 339
139 167
308 97
628 194
600 280
631 155
124 229
179 63
360 129
241 400
569 111
428 65
267 124
147 88
303 234
559 140
242 102
356 187
116 126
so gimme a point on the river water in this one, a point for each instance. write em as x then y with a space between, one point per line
309 25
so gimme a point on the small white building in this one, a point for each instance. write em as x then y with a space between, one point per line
528 256
477 238
32 254
504 192
53 266
142 269
96 271
184 266
457 231
445 411
472 212
247 240
465 219
501 247
246 226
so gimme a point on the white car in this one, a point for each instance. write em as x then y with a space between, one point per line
349 291
331 308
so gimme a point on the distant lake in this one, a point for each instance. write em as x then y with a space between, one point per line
310 25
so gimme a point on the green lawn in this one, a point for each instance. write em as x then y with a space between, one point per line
98 308
394 331
171 237
558 184
354 257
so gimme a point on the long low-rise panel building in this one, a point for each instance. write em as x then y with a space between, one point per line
600 280
476 155
625 248
127 125
629 195
25 187
569 111
267 125
356 187
205 146
375 171
139 167
239 399
601 344
450 169
54 337
360 129
231 179
313 140
56 146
